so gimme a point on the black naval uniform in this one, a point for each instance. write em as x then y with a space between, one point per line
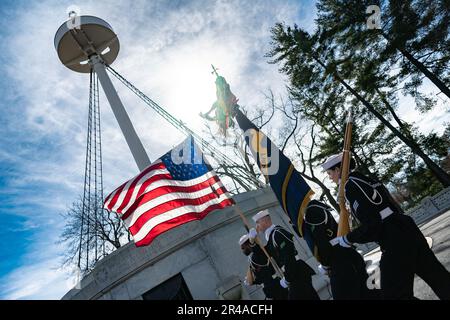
347 269
263 271
297 273
405 251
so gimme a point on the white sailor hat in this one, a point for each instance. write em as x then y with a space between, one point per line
243 239
332 161
260 214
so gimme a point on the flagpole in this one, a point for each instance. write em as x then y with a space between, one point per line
258 242
344 226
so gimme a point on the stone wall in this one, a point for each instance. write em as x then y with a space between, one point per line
431 206
206 253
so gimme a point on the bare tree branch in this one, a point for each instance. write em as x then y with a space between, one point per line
103 230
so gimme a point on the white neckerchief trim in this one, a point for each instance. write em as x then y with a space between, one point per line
268 231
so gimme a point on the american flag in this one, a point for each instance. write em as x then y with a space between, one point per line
177 188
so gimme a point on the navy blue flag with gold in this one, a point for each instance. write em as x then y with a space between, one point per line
290 188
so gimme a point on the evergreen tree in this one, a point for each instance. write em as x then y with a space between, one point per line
307 59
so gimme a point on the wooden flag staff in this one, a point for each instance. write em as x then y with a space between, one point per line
344 226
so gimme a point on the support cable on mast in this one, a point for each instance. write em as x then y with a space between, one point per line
178 124
92 212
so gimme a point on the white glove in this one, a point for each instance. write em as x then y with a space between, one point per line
343 242
284 283
252 234
323 270
246 282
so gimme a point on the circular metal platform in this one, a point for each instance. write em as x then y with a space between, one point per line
76 45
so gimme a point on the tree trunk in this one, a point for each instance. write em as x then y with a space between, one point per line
430 75
438 172
391 110
419 65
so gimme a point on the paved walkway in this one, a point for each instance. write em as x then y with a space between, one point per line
439 231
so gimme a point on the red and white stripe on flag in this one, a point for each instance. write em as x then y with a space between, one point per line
154 202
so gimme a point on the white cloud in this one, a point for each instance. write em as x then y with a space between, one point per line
166 51
40 276
38 280
26 287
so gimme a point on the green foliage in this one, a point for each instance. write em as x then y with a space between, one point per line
374 63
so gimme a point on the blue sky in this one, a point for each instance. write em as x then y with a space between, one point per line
166 51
